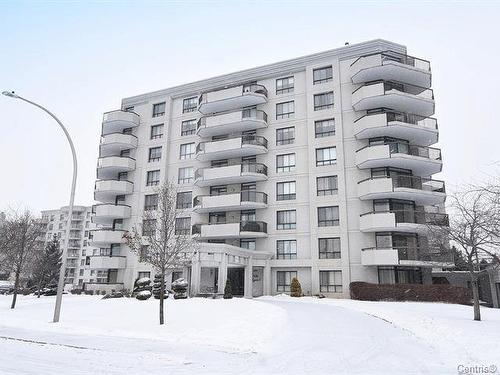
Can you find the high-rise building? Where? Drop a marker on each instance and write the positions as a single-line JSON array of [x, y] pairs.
[[317, 167]]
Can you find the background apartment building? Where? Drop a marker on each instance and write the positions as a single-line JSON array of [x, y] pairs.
[[78, 265], [317, 167]]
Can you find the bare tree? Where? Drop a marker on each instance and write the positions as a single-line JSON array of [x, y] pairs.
[[164, 238], [473, 229], [20, 240]]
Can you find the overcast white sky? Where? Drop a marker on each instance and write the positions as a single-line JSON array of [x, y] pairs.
[[80, 59]]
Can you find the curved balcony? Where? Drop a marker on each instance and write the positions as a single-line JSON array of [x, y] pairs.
[[423, 161], [106, 236], [231, 174], [391, 66], [246, 145], [423, 191], [397, 96], [416, 129], [109, 166], [406, 256], [231, 122], [117, 121], [105, 213], [245, 229], [244, 200], [409, 221], [114, 143], [107, 190], [232, 98], [108, 262]]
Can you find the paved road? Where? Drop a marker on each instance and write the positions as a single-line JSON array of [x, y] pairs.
[[319, 339]]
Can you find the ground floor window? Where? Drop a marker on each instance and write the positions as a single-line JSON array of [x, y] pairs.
[[142, 274], [284, 279], [399, 275], [330, 281], [176, 275]]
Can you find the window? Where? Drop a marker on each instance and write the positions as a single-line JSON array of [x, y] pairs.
[[218, 190], [286, 219], [284, 85], [248, 186], [328, 216], [324, 128], [188, 127], [122, 176], [176, 275], [326, 185], [153, 178], [189, 104], [285, 191], [154, 154], [330, 281], [157, 131], [285, 110], [186, 151], [143, 253], [129, 109], [285, 136], [286, 249], [399, 275], [284, 280], [186, 175], [247, 244], [184, 200], [285, 163], [326, 156], [158, 109], [149, 227], [182, 226], [140, 275], [329, 248], [150, 202], [323, 101], [322, 75]]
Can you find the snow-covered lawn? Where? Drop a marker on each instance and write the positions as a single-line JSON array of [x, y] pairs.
[[268, 335]]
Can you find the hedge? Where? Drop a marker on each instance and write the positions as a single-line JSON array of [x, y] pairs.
[[410, 292]]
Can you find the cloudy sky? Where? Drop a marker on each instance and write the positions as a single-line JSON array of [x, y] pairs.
[[80, 58]]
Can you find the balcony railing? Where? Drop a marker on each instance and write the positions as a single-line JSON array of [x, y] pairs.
[[413, 182], [415, 217], [245, 196], [405, 88], [400, 58], [245, 168], [245, 226], [423, 254], [413, 150], [246, 114], [246, 139], [407, 118], [249, 88]]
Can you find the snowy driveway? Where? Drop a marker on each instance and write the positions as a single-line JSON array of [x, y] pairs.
[[314, 337]]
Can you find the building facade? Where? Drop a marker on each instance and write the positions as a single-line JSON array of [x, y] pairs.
[[78, 262], [317, 167]]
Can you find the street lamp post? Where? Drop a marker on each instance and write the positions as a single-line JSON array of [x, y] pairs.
[[60, 284]]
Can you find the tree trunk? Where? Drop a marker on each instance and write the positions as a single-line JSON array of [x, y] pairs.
[[475, 293], [162, 297], [16, 286]]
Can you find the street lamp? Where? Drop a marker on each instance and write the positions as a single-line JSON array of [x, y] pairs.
[[60, 284]]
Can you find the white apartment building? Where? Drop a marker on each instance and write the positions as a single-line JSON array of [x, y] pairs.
[[78, 262], [317, 167]]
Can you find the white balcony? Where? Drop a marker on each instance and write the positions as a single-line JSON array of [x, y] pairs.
[[248, 229], [232, 98], [401, 221], [231, 174], [423, 191], [109, 166], [416, 129], [244, 200], [394, 95], [405, 257], [105, 213], [114, 143], [108, 262], [232, 122], [391, 66], [423, 161], [117, 121], [245, 145], [105, 237], [107, 190]]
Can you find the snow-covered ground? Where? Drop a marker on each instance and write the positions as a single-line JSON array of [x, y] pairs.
[[268, 335]]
